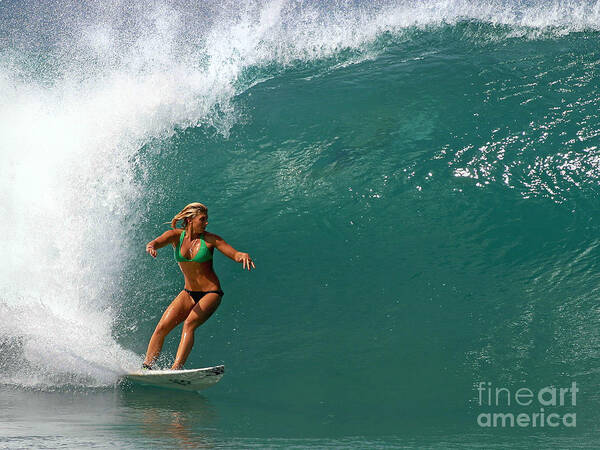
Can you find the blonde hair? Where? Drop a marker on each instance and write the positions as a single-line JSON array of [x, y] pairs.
[[189, 212]]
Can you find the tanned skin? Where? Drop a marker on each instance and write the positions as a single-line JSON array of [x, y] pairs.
[[198, 277]]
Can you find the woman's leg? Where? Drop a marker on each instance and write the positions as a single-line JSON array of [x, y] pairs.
[[198, 315], [176, 313]]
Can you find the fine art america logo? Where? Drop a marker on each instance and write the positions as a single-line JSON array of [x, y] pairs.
[[549, 406]]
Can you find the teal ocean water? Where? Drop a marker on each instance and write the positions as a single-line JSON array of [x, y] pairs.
[[417, 182]]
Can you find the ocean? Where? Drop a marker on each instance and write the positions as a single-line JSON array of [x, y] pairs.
[[416, 181]]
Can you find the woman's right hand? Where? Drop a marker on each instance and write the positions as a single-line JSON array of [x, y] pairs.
[[150, 249]]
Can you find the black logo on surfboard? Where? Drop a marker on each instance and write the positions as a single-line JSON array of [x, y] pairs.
[[180, 382]]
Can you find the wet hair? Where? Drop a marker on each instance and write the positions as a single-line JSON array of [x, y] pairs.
[[189, 212]]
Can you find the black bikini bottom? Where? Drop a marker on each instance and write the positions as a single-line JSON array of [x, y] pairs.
[[197, 295]]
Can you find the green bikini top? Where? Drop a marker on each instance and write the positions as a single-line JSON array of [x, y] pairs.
[[203, 255]]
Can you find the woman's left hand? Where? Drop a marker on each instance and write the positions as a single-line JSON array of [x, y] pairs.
[[246, 261]]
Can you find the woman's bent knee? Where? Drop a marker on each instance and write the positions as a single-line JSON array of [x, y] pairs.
[[191, 325], [161, 329]]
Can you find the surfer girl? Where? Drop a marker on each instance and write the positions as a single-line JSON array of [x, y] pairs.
[[202, 294]]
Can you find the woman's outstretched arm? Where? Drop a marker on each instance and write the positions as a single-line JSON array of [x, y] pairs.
[[232, 253], [168, 237]]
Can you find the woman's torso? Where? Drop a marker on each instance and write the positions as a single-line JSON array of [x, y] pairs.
[[195, 261]]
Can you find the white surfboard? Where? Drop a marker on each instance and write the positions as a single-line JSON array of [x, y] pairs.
[[186, 380]]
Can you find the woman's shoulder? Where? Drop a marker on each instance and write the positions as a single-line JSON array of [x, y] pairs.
[[173, 234], [211, 237]]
